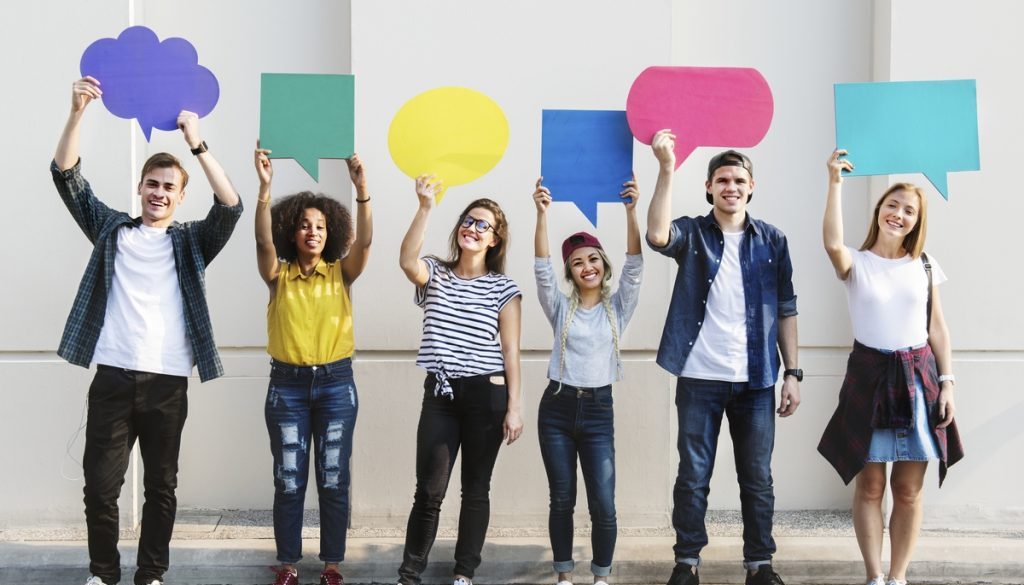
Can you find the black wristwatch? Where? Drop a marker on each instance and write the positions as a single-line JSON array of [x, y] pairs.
[[795, 372], [200, 149]]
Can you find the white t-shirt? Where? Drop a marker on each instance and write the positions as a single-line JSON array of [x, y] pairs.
[[888, 299], [144, 326], [720, 352]]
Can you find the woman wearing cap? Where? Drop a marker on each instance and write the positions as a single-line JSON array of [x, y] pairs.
[[307, 256], [575, 418], [471, 398], [896, 403]]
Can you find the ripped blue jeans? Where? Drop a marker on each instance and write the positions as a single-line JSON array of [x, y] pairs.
[[311, 407]]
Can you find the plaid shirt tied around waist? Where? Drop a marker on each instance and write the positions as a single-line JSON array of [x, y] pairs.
[[878, 392], [195, 245]]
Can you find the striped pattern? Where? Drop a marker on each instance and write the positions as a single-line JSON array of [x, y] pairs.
[[460, 323]]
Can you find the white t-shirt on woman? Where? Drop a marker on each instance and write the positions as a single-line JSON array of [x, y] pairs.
[[888, 299]]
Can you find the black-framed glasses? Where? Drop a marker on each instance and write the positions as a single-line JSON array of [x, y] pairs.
[[480, 225]]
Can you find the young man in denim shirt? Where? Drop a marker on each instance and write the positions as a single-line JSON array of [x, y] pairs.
[[732, 310], [141, 316]]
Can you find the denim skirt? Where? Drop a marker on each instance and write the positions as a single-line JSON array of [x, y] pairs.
[[914, 444]]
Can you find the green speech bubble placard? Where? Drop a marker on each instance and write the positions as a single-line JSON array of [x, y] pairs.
[[307, 117]]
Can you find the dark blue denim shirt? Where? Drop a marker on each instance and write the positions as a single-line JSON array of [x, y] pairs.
[[696, 244]]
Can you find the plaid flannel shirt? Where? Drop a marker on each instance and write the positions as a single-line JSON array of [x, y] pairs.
[[876, 394], [195, 245]]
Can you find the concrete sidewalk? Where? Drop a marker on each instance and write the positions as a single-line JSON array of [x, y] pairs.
[[813, 548]]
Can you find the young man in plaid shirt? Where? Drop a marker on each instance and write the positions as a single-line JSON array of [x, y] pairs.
[[141, 316]]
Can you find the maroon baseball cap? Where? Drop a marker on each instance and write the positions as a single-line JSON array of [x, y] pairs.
[[576, 241]]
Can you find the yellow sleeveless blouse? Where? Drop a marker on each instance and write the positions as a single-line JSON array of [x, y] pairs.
[[309, 319]]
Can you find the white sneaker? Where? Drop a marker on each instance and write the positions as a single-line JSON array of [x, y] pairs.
[[94, 580], [878, 580], [155, 582], [601, 582], [461, 581], [570, 583], [892, 581]]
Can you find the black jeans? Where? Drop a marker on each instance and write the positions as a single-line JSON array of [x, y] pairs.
[[473, 421], [125, 405]]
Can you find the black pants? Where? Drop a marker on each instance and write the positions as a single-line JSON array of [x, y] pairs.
[[473, 421], [125, 405]]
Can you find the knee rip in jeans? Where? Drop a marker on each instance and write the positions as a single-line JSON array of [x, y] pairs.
[[332, 454], [291, 445]]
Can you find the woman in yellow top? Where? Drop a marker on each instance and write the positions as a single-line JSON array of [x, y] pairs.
[[308, 258]]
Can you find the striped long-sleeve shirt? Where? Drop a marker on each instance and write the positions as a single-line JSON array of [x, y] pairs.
[[460, 323]]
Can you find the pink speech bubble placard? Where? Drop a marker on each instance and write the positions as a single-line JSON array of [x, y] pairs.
[[703, 106]]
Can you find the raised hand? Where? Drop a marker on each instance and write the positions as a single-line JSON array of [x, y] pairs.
[[664, 146], [83, 91], [427, 189], [264, 168], [188, 123], [356, 172], [630, 194], [541, 197], [837, 165]]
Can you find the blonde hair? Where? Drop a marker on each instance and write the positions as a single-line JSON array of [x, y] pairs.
[[913, 242], [574, 304]]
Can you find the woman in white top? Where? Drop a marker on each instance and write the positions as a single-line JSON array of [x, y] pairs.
[[471, 398], [900, 333], [575, 418]]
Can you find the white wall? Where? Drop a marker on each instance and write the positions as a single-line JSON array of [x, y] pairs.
[[528, 56], [974, 236]]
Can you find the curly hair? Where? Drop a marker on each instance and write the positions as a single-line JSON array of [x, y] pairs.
[[286, 214]]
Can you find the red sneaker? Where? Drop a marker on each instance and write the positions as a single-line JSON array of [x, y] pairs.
[[331, 577], [285, 577]]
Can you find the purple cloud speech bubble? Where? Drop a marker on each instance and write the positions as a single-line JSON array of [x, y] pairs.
[[150, 80]]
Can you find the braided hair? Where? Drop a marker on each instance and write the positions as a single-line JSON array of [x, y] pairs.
[[574, 304]]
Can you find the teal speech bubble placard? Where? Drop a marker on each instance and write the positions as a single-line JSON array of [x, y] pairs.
[[307, 117], [928, 127]]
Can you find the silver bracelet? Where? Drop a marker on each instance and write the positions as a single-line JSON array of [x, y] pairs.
[[947, 378]]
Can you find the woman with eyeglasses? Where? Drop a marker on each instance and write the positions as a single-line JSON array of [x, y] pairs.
[[471, 396], [575, 419]]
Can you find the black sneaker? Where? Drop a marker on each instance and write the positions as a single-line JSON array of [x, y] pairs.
[[765, 575], [684, 574]]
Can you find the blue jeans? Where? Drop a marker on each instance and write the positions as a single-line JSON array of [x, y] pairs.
[[579, 422], [311, 405], [751, 411]]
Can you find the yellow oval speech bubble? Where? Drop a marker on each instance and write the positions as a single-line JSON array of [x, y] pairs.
[[455, 133]]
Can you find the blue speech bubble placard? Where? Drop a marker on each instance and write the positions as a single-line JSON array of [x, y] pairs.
[[896, 127], [586, 156]]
